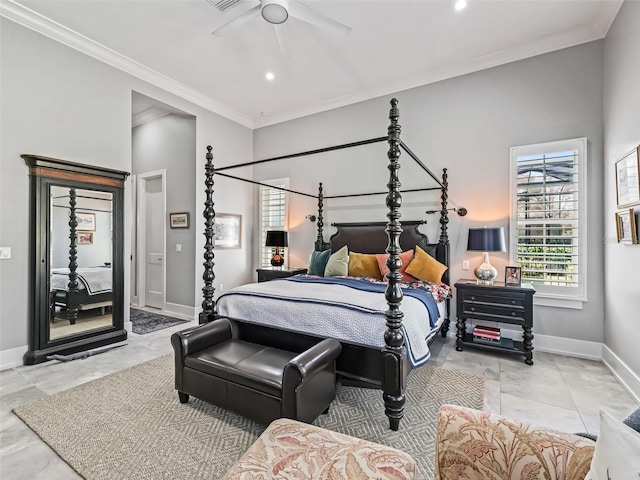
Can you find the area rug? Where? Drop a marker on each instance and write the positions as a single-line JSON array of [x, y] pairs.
[[130, 424], [147, 322]]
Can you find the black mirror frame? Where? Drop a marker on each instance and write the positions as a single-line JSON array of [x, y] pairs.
[[46, 172]]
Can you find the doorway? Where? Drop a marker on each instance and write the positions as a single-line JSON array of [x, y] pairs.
[[151, 234]]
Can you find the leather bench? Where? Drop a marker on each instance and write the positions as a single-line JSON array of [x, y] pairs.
[[257, 381]]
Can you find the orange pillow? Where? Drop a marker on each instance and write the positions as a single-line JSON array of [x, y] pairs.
[[405, 258], [363, 265], [425, 267]]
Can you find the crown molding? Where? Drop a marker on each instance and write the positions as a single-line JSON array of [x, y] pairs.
[[26, 17], [39, 23], [148, 115]]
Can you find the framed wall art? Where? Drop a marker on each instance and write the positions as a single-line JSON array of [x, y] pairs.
[[626, 227], [86, 221], [228, 230], [85, 238], [627, 179], [512, 276], [179, 220]]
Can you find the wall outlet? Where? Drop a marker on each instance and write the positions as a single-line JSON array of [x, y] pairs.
[[221, 287], [178, 247], [5, 253], [465, 264]]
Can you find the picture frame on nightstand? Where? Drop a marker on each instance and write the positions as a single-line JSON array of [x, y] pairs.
[[512, 276]]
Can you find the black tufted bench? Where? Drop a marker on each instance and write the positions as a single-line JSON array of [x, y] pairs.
[[257, 381]]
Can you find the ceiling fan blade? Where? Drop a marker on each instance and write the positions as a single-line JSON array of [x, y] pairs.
[[238, 21], [282, 34], [314, 18]]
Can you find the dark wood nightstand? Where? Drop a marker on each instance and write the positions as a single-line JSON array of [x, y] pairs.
[[270, 273], [496, 303]]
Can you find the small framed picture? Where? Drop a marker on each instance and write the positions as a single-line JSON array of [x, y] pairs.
[[628, 179], [626, 227], [512, 276], [85, 238], [86, 221], [179, 220], [228, 230]]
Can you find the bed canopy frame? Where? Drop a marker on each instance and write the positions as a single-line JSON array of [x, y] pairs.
[[393, 353]]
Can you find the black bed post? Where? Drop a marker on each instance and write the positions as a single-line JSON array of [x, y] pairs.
[[208, 304], [393, 354], [443, 243], [72, 287], [444, 219], [320, 245]]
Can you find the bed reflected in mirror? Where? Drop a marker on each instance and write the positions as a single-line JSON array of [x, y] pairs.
[[87, 305]]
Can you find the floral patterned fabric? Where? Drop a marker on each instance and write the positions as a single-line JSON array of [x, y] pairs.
[[477, 445], [288, 449]]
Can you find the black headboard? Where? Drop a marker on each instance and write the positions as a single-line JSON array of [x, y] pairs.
[[372, 238]]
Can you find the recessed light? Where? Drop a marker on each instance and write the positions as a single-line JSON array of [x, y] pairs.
[[461, 4], [270, 76]]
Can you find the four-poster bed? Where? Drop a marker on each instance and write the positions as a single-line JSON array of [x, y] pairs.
[[384, 366]]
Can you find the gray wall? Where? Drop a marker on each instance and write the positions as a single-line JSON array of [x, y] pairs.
[[467, 125], [60, 103], [169, 143], [622, 133]]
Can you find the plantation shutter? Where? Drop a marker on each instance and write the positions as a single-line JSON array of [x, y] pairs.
[[548, 221], [273, 214]]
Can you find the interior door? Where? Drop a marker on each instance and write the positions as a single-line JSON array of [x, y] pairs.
[[154, 243]]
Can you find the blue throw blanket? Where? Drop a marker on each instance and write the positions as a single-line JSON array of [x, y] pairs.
[[423, 296]]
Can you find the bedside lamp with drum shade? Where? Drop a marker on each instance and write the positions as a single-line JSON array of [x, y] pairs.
[[278, 239], [486, 240]]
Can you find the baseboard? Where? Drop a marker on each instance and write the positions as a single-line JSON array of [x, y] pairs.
[[558, 345], [180, 309], [568, 346], [627, 378], [12, 357]]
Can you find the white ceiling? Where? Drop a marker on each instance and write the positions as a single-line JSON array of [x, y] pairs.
[[393, 45]]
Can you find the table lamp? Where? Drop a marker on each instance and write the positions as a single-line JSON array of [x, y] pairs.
[[278, 239], [486, 240]]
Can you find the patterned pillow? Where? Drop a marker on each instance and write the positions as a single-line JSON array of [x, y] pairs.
[[425, 267], [363, 265], [338, 264], [633, 420], [405, 258], [318, 263]]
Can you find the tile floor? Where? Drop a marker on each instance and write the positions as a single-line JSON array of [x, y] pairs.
[[561, 392]]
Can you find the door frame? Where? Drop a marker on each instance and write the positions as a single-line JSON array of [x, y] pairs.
[[141, 232]]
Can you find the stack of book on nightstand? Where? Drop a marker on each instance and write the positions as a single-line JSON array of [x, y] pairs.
[[486, 335]]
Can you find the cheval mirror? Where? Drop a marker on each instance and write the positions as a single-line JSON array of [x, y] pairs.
[[77, 265]]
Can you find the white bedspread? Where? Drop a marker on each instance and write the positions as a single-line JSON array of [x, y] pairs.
[[94, 279], [333, 311]]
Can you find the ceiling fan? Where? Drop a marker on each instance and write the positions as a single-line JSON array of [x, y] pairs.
[[277, 12]]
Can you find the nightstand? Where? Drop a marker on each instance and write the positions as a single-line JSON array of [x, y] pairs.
[[496, 303], [270, 273]]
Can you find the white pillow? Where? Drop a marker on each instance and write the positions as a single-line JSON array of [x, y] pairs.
[[338, 264], [617, 454]]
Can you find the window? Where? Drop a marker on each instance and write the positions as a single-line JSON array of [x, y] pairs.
[[274, 210], [548, 205]]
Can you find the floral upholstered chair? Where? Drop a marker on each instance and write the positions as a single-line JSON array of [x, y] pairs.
[[477, 445]]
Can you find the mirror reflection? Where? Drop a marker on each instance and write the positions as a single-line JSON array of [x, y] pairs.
[[80, 259]]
